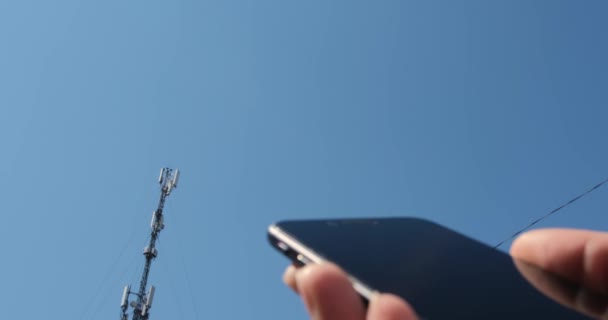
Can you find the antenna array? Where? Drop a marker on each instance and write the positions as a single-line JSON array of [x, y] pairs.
[[143, 301]]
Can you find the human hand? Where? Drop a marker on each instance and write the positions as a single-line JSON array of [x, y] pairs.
[[329, 295], [578, 255]]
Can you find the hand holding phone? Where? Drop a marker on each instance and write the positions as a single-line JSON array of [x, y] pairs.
[[579, 256], [442, 274], [328, 294]]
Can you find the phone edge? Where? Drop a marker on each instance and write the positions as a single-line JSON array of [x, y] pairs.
[[301, 255]]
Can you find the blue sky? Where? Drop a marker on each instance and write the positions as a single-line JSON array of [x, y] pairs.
[[478, 115]]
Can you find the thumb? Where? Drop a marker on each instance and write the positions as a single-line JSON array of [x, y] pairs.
[[328, 293], [576, 255]]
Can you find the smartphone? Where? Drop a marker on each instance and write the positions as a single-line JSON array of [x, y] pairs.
[[443, 274]]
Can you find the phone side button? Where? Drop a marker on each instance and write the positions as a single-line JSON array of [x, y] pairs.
[[282, 246], [303, 259]]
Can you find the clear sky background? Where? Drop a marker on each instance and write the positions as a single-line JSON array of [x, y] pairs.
[[480, 115]]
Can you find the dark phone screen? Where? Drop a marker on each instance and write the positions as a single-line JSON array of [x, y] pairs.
[[441, 273]]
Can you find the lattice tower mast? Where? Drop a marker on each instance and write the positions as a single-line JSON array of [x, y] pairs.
[[143, 301]]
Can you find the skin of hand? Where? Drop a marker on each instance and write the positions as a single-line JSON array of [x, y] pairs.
[[580, 256], [577, 255], [328, 294]]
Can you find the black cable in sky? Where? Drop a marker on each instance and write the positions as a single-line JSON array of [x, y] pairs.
[[550, 213]]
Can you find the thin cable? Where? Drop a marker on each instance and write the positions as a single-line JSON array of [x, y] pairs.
[[189, 288], [131, 266], [105, 279], [551, 213], [180, 246], [104, 302], [165, 266]]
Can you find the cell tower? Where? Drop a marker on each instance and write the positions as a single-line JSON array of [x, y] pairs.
[[143, 301]]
